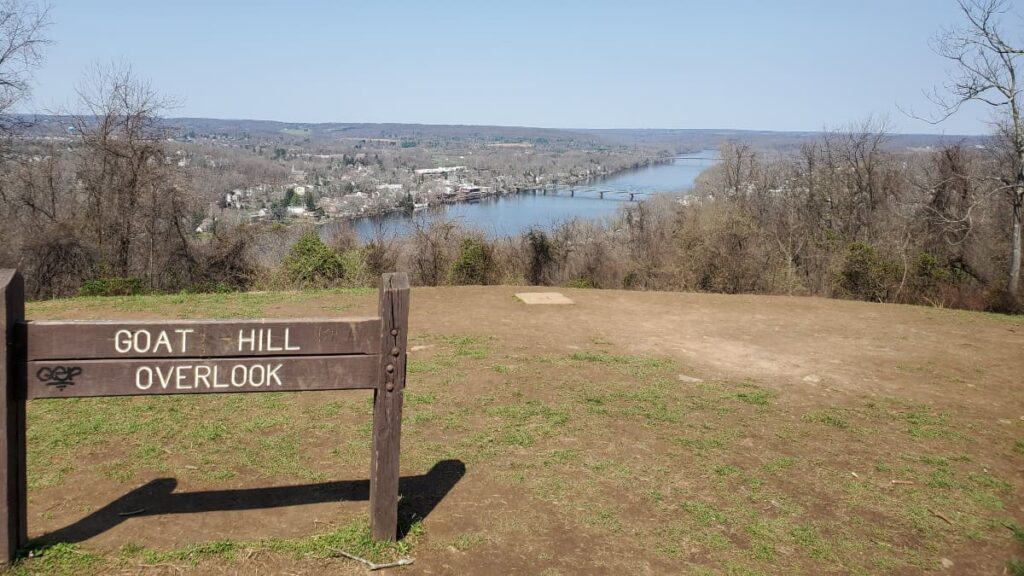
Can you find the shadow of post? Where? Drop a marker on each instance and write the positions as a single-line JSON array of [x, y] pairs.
[[419, 496]]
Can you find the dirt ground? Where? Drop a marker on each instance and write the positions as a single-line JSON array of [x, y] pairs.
[[805, 348], [631, 432]]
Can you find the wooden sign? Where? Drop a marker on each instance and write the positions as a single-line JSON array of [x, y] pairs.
[[110, 358]]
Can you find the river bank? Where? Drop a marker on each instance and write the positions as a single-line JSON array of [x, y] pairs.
[[460, 192], [510, 213]]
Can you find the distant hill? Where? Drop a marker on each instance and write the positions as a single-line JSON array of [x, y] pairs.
[[675, 139]]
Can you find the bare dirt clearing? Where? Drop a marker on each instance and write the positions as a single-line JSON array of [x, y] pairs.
[[631, 432]]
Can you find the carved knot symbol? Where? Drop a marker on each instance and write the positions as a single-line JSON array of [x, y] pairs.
[[59, 376]]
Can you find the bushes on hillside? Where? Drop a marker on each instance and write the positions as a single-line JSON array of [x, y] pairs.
[[722, 249], [541, 255], [432, 251], [224, 263], [475, 263], [113, 286], [866, 275], [313, 263], [57, 264]]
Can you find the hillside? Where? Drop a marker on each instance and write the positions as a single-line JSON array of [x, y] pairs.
[[632, 432], [679, 140]]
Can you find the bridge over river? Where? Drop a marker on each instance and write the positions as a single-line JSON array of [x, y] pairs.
[[512, 214]]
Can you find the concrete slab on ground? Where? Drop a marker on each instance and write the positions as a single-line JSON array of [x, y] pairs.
[[543, 298]]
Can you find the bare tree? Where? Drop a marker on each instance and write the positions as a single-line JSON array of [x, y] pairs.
[[22, 28], [136, 203], [986, 71]]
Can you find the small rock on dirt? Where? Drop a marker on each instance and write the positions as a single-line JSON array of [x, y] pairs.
[[947, 563], [812, 378], [688, 379]]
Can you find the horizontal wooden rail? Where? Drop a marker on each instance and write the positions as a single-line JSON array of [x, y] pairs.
[[54, 340], [84, 378]]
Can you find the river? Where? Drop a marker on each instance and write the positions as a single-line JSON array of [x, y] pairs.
[[511, 214]]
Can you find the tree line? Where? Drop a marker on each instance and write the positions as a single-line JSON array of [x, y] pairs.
[[846, 217]]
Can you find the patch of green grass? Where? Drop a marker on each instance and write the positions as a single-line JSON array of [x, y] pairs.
[[353, 538], [704, 513], [1016, 530], [277, 455], [726, 470], [830, 417], [757, 397], [604, 518], [46, 476], [808, 537], [469, 540], [417, 398], [604, 358], [763, 551], [941, 478], [654, 495], [986, 480], [219, 435], [516, 437], [595, 403], [777, 464], [556, 457], [209, 431], [522, 412], [191, 554], [621, 359], [1018, 447], [475, 347], [418, 418], [58, 560], [455, 419], [705, 442], [608, 468], [431, 366], [652, 402], [926, 424]]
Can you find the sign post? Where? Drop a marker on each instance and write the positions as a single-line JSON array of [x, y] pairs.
[[387, 407], [13, 478], [51, 359]]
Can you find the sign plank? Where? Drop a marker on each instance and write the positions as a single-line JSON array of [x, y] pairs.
[[138, 377], [201, 339]]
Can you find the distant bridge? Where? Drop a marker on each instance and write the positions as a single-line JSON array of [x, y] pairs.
[[590, 192]]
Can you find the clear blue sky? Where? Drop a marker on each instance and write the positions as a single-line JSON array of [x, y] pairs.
[[749, 64]]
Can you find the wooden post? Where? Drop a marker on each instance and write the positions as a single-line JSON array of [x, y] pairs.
[[387, 406], [13, 502]]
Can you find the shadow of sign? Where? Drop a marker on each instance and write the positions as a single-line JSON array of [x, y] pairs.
[[420, 495]]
